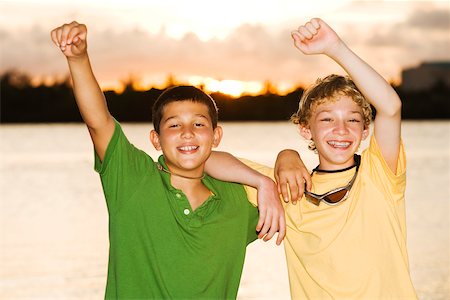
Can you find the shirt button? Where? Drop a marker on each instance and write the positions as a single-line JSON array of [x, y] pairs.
[[178, 195], [186, 211]]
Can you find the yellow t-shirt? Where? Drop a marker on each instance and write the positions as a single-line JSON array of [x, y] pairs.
[[357, 249]]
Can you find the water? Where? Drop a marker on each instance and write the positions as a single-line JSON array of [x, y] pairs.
[[53, 219]]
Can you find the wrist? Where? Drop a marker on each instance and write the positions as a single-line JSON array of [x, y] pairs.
[[78, 59], [287, 152], [338, 51], [263, 181]]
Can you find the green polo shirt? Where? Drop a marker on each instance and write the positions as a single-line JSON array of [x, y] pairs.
[[159, 247]]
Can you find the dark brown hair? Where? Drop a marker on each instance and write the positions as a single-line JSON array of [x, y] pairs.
[[183, 93]]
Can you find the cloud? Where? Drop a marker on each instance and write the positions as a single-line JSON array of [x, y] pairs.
[[424, 35], [251, 52], [27, 50], [432, 19]]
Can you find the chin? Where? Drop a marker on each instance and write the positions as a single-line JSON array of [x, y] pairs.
[[191, 166], [338, 158]]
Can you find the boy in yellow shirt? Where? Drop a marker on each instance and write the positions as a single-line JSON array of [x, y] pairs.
[[346, 238]]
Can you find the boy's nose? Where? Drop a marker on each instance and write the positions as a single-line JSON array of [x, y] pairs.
[[341, 128], [187, 133]]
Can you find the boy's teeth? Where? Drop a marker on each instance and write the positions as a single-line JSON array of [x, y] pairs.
[[188, 148], [339, 144]]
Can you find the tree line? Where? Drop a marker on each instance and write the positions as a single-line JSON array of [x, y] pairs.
[[22, 102]]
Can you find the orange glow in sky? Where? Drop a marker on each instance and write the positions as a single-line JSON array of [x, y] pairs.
[[233, 88], [233, 47]]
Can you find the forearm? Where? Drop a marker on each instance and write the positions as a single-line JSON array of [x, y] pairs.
[[371, 84], [226, 167], [88, 94]]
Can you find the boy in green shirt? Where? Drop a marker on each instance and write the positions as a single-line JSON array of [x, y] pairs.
[[174, 231]]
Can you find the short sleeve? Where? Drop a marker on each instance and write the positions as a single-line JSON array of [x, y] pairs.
[[122, 169], [381, 174], [100, 166]]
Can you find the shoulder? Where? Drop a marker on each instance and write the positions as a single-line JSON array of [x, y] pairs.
[[121, 151], [263, 169]]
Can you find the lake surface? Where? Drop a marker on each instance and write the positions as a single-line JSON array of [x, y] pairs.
[[53, 218]]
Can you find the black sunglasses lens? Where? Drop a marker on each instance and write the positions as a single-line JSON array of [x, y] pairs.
[[313, 200], [336, 196]]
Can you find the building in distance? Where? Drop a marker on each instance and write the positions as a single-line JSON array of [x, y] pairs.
[[426, 76]]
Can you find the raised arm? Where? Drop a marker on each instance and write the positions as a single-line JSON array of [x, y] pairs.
[[316, 37], [226, 167], [71, 39]]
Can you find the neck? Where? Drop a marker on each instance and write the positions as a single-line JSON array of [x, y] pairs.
[[198, 178], [355, 163]]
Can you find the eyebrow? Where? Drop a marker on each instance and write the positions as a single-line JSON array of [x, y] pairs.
[[330, 110], [356, 112], [175, 117]]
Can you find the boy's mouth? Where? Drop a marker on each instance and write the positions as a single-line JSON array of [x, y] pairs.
[[339, 144], [187, 148]]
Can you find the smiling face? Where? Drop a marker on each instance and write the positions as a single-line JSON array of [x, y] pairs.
[[337, 129], [186, 137]]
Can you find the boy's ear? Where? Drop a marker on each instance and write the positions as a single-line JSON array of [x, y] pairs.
[[154, 139], [365, 132], [305, 132], [218, 132]]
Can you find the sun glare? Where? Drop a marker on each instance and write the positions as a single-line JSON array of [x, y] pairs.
[[233, 88]]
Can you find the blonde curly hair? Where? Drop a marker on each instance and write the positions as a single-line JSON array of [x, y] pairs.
[[328, 89]]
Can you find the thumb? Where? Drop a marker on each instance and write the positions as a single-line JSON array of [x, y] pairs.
[[78, 45], [307, 179], [76, 41]]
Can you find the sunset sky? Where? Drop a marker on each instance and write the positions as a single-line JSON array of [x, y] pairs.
[[231, 46]]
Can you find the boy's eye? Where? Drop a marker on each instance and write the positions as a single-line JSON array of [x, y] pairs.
[[326, 120], [199, 124], [354, 120], [173, 126]]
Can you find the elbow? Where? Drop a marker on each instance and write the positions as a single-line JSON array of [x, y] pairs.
[[394, 109], [399, 107], [98, 123]]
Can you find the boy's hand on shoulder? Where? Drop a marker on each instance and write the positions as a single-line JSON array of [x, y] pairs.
[[70, 39], [291, 175], [271, 212], [316, 37]]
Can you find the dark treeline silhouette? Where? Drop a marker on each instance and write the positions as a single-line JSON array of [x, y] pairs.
[[21, 102]]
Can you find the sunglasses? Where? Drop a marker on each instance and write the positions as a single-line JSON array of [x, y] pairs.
[[337, 195]]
